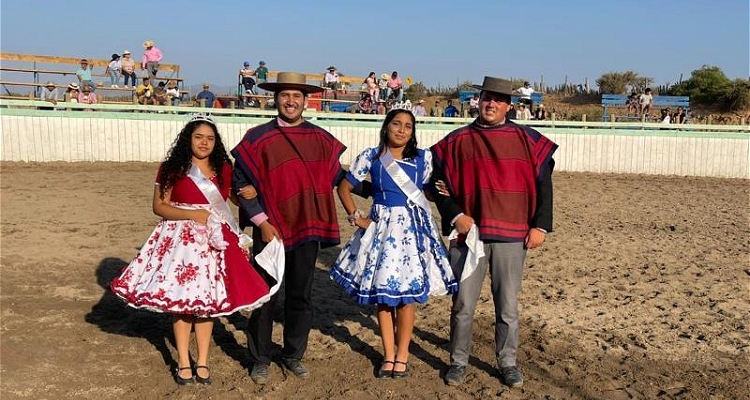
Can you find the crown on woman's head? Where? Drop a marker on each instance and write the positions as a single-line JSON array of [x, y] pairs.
[[202, 117]]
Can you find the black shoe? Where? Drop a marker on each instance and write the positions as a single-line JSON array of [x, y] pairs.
[[511, 376], [259, 374], [455, 375], [202, 381], [400, 374], [385, 373], [183, 381], [298, 369]]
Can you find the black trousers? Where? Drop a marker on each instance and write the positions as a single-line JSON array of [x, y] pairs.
[[298, 306]]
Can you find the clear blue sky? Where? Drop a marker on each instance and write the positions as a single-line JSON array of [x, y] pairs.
[[436, 42]]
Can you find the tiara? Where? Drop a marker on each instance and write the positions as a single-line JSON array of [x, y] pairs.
[[202, 117]]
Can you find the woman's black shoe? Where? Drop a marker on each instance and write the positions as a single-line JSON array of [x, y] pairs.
[[401, 374], [203, 381], [183, 381], [385, 373]]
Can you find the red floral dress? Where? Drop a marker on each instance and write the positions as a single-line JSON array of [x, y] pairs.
[[178, 271]]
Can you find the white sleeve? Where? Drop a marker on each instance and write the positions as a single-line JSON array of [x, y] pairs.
[[427, 166], [360, 168]]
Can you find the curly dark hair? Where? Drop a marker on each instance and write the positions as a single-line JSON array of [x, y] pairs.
[[178, 160], [410, 150]]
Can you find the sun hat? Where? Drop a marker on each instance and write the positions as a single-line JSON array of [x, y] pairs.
[[384, 75], [206, 85], [148, 43], [126, 52], [420, 101], [246, 63], [73, 86], [86, 88], [49, 83], [172, 84], [115, 56], [331, 68], [496, 85], [292, 81]]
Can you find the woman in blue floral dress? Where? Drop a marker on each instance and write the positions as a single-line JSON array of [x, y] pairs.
[[396, 258]]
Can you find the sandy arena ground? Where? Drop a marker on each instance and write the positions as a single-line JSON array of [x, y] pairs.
[[640, 293]]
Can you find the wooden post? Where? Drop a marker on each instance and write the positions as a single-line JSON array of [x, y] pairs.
[[202, 103], [232, 104], [31, 94], [708, 120], [554, 118]]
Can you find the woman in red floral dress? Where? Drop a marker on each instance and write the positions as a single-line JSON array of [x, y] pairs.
[[195, 264]]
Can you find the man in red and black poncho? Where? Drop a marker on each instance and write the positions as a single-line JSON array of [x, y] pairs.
[[294, 166], [499, 176]]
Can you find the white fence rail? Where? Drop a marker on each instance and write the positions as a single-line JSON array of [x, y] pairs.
[[28, 134]]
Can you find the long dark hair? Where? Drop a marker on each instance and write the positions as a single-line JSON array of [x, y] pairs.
[[410, 150], [179, 158]]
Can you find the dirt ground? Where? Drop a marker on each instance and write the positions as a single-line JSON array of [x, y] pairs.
[[640, 293]]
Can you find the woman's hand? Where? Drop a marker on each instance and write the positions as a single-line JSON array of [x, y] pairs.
[[201, 216], [247, 192], [363, 223], [442, 188]]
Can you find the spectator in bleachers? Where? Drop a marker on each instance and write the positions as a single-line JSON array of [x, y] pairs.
[[151, 58], [173, 93], [160, 94], [246, 78], [541, 113], [331, 81], [87, 96], [113, 70], [206, 95], [523, 113], [381, 110], [84, 74], [395, 87], [633, 102], [525, 94], [474, 106], [127, 65], [383, 86], [145, 92], [71, 94], [645, 102], [371, 85], [666, 117], [419, 110], [49, 94], [261, 72], [450, 110], [436, 111], [679, 117], [512, 112], [365, 105]]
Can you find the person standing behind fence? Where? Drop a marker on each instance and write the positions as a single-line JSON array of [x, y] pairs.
[[87, 96], [207, 96], [113, 70], [84, 74], [127, 65], [419, 110], [151, 58], [645, 102], [173, 93], [526, 91], [499, 202], [450, 110]]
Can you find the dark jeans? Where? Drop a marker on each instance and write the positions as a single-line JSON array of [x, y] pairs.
[[298, 306], [129, 75]]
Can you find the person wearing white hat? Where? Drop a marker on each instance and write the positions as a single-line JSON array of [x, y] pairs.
[[294, 166], [49, 93], [151, 58], [331, 81], [127, 65]]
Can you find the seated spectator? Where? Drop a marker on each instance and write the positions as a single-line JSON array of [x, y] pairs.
[[419, 110], [512, 112], [541, 113], [246, 77], [49, 94], [436, 111], [127, 65], [383, 86], [525, 94], [450, 111], [371, 85], [207, 96], [395, 87], [474, 106], [523, 113], [160, 95], [365, 105], [84, 74], [381, 110], [633, 102], [71, 94], [331, 81], [113, 70], [679, 116], [173, 93], [87, 96], [666, 118], [145, 92]]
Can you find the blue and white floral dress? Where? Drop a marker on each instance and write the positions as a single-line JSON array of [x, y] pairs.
[[400, 259]]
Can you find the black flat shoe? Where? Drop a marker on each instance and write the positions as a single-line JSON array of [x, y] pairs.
[[401, 374], [202, 381], [183, 381], [385, 373]]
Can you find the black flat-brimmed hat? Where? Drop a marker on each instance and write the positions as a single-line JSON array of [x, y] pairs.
[[290, 81], [496, 85]]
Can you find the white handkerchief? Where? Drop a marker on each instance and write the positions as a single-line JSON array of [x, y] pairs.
[[272, 260], [476, 250]]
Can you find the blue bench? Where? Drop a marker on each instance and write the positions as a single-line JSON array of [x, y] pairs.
[[465, 95], [621, 101]]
